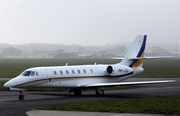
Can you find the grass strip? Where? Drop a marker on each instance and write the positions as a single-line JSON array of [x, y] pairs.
[[154, 105], [11, 68], [2, 85]]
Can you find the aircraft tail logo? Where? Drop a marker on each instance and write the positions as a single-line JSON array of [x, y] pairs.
[[135, 54]]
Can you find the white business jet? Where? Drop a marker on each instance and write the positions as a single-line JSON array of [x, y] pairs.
[[94, 76]]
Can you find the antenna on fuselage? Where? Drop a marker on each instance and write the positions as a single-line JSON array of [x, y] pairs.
[[66, 64]]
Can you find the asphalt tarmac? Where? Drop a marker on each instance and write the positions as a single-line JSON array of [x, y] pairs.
[[10, 105]]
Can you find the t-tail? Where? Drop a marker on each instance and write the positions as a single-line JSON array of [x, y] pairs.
[[135, 55]]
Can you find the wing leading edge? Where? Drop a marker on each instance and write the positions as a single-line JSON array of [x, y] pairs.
[[125, 83]]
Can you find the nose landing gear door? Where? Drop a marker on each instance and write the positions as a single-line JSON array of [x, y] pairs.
[[49, 77]]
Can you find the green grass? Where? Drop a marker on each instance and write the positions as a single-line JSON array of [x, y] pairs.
[[161, 68], [1, 85], [154, 105], [10, 68]]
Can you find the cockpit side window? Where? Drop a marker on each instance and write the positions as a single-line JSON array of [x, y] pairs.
[[37, 74], [26, 73], [33, 73]]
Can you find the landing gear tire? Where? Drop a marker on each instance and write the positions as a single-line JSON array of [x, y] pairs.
[[99, 92], [77, 92], [21, 97]]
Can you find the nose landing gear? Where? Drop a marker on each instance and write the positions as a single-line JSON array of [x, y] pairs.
[[21, 97]]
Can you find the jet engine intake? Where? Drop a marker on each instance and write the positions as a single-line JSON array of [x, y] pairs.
[[110, 70], [118, 70]]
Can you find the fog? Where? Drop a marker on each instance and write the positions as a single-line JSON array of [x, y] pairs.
[[37, 50], [88, 22]]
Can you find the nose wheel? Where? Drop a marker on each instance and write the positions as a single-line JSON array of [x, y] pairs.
[[21, 97]]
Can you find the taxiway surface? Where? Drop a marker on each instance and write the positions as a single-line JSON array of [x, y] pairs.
[[10, 105]]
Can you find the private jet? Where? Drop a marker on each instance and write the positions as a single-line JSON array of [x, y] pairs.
[[76, 78]]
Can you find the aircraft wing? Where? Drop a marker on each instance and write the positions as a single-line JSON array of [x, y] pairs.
[[125, 83]]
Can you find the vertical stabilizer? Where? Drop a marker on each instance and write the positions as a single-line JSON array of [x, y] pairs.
[[135, 51]]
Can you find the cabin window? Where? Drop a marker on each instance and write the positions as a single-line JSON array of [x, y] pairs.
[[73, 72], [55, 73], [61, 72], [33, 73], [26, 73], [78, 71], [84, 70], [91, 70], [37, 74], [67, 72]]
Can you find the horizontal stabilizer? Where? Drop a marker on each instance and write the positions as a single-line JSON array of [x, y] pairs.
[[125, 83], [121, 58], [159, 57]]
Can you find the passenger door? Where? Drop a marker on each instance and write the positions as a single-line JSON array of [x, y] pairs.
[[49, 77]]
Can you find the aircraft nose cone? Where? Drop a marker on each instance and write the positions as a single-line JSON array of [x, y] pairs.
[[7, 85], [10, 83]]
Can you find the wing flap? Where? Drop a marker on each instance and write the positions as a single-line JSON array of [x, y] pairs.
[[125, 83]]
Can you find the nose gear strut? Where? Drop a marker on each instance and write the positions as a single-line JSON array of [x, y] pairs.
[[21, 97]]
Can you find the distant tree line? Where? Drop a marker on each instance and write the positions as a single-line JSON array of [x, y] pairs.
[[10, 51], [111, 50]]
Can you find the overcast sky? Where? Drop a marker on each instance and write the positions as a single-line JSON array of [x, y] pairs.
[[88, 22]]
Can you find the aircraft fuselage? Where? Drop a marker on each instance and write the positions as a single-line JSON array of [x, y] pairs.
[[70, 76]]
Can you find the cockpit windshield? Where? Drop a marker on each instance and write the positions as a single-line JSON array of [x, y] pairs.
[[26, 73], [30, 73]]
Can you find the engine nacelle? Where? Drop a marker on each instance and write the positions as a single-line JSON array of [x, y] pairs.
[[118, 70]]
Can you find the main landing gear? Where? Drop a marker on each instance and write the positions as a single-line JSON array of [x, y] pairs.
[[76, 91], [99, 92], [21, 97]]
